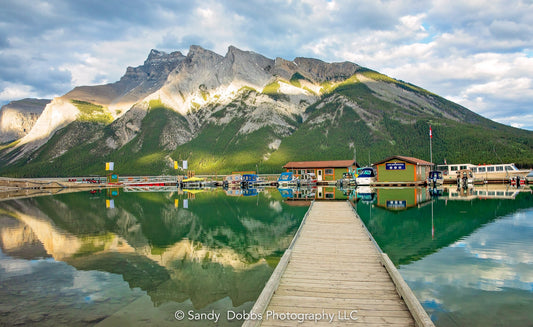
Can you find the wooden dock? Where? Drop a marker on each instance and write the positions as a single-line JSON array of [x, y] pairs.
[[334, 274]]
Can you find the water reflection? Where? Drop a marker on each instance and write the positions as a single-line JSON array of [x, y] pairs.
[[131, 257], [465, 253]]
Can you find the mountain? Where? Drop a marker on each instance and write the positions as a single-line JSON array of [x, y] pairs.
[[243, 111], [18, 117]]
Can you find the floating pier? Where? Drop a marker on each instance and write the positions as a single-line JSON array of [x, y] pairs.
[[334, 274]]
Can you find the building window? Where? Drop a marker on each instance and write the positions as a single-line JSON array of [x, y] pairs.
[[453, 168], [481, 169], [490, 169], [474, 169], [499, 168], [328, 171]]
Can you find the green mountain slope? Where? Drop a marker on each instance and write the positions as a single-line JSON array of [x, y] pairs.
[[368, 114]]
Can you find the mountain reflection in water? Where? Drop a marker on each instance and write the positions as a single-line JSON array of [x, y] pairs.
[[134, 258], [216, 253]]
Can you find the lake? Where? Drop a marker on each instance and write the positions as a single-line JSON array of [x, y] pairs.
[[136, 258], [467, 255]]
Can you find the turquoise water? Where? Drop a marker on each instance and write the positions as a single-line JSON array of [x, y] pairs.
[[468, 258]]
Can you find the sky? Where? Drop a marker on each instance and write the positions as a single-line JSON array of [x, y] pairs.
[[474, 52]]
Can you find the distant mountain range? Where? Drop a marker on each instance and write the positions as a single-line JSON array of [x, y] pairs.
[[243, 111]]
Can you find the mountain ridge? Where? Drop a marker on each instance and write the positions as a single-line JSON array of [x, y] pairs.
[[244, 111]]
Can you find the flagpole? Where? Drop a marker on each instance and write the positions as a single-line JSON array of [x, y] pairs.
[[430, 147]]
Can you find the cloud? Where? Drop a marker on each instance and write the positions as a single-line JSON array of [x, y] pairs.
[[470, 51]]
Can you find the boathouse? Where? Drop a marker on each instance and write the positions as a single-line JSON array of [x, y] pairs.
[[330, 170], [402, 169], [401, 198]]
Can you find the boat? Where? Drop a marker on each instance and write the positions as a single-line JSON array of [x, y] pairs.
[[286, 192], [435, 178], [249, 180], [308, 179], [464, 178], [529, 177], [484, 192], [366, 194], [501, 172], [365, 176], [232, 180], [192, 182], [233, 191], [348, 179], [484, 173], [250, 192], [288, 179]]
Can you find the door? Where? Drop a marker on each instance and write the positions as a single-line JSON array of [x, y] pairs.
[[319, 175]]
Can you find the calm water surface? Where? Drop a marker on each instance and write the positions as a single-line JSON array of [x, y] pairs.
[[467, 256], [126, 258]]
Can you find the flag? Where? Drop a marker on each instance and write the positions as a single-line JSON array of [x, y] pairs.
[[109, 165], [430, 134], [445, 161], [175, 165]]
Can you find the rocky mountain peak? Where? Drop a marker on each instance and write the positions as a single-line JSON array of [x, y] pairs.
[[196, 51], [158, 57], [18, 117], [320, 71]]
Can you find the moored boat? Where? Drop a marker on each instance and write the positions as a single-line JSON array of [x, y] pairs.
[[435, 178], [308, 179], [250, 180], [365, 176], [484, 173], [192, 182], [287, 179], [232, 180], [348, 179], [464, 178]]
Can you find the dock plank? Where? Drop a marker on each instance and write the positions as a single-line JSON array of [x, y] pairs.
[[334, 267]]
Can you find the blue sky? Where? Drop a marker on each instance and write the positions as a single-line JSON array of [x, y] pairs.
[[476, 53]]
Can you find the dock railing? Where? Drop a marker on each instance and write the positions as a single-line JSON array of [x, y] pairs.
[[417, 311], [272, 284]]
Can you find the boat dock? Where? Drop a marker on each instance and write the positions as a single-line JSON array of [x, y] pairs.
[[334, 274]]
